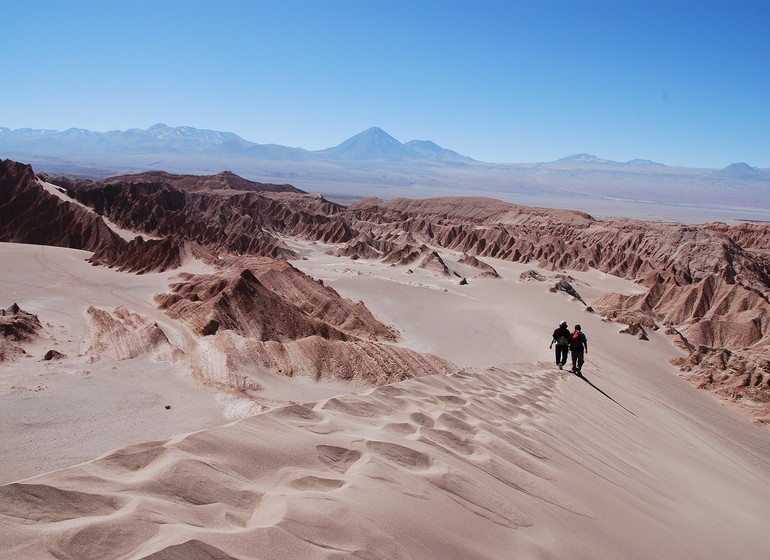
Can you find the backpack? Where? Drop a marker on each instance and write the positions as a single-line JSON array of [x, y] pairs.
[[574, 341], [562, 341]]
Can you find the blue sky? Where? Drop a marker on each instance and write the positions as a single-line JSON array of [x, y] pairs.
[[679, 82]]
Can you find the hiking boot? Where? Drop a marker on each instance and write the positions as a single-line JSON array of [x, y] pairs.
[[560, 366]]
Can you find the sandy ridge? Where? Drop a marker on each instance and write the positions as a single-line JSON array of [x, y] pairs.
[[507, 452]]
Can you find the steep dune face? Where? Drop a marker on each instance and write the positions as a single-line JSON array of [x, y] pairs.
[[316, 358]]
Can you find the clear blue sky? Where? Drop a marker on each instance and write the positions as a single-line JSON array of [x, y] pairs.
[[679, 82]]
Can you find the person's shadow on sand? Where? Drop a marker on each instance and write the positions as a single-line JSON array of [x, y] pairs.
[[581, 376]]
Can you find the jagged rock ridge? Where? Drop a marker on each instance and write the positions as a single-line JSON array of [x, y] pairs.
[[272, 316], [30, 214]]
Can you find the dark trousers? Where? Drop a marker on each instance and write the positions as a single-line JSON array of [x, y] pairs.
[[561, 353], [577, 360]]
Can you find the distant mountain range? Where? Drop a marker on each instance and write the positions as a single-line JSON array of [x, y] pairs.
[[371, 144], [588, 158], [374, 163]]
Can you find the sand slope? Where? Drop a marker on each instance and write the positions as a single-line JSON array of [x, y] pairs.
[[508, 457], [516, 461]]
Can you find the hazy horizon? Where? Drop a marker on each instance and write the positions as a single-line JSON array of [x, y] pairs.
[[679, 83], [577, 157]]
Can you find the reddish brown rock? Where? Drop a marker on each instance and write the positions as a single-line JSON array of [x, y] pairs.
[[270, 300], [30, 214], [16, 326]]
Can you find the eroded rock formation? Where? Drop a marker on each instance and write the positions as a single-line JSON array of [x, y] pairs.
[[16, 326], [123, 335], [30, 214], [272, 316], [708, 285]]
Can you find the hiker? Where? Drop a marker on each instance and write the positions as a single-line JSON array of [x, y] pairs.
[[561, 338], [577, 344]]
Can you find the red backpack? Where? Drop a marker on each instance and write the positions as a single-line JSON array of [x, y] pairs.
[[574, 341]]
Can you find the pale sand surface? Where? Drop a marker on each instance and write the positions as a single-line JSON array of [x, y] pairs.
[[485, 323], [509, 458], [59, 413]]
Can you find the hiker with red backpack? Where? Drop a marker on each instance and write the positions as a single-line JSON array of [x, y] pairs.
[[561, 338], [578, 345]]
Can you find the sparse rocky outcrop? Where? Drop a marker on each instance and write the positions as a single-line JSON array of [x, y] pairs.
[[486, 270], [531, 276], [637, 330], [53, 355], [563, 285], [434, 262], [16, 326], [123, 335]]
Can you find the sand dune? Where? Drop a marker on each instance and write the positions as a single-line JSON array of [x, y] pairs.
[[517, 461]]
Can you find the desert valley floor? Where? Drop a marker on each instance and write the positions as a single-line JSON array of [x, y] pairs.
[[157, 432], [508, 456]]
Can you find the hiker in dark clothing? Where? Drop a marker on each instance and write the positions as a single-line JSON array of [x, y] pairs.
[[578, 343], [561, 338]]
